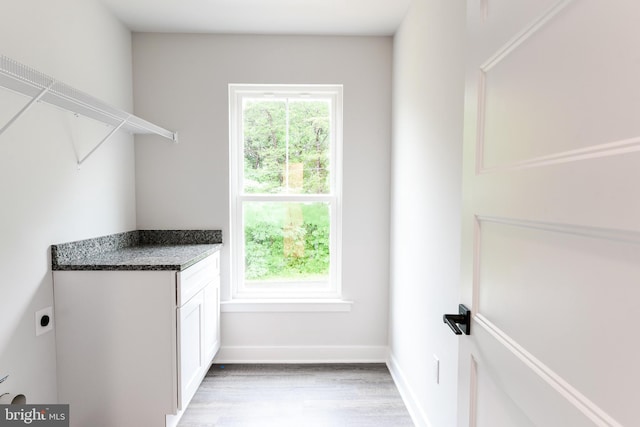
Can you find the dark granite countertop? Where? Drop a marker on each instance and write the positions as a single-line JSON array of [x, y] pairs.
[[137, 250]]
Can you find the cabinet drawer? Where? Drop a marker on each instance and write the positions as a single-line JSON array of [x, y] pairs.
[[196, 277]]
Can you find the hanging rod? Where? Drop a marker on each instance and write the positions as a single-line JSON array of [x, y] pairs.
[[40, 87]]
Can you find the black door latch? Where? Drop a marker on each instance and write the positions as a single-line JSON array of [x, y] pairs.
[[459, 323]]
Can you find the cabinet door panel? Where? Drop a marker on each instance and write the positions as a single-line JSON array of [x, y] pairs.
[[212, 319], [190, 343]]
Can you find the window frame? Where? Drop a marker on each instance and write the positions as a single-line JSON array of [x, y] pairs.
[[284, 291]]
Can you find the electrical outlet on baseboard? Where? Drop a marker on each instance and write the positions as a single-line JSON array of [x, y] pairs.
[[436, 369]]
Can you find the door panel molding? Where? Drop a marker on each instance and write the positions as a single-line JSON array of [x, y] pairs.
[[555, 380], [576, 142], [496, 58], [524, 35], [566, 390], [596, 151], [611, 234]]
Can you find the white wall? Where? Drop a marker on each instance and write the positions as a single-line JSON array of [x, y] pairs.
[[182, 82], [428, 88], [44, 199]]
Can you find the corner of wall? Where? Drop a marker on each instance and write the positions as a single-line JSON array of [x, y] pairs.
[[47, 199], [409, 397], [428, 97]]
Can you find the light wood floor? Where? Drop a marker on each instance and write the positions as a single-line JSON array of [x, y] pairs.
[[349, 395]]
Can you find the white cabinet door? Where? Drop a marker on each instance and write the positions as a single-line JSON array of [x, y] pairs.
[[552, 215], [212, 319], [191, 341]]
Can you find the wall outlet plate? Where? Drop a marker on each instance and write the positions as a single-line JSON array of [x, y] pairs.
[[44, 320]]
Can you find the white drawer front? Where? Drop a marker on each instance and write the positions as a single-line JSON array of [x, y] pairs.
[[196, 277]]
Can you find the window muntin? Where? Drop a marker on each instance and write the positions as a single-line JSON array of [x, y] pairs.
[[285, 175]]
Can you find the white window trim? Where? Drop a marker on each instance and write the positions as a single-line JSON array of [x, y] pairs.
[[286, 306], [325, 299]]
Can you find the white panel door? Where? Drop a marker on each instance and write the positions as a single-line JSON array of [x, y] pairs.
[[551, 223]]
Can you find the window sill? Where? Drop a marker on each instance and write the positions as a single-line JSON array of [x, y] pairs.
[[286, 306]]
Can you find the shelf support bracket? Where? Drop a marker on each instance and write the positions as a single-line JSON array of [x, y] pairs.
[[37, 98], [105, 139]]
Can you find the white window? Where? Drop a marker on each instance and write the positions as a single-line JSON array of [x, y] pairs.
[[285, 189]]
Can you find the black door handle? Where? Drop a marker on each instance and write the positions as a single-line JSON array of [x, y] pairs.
[[463, 318]]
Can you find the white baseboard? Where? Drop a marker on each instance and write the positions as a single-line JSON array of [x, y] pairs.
[[302, 354], [412, 403]]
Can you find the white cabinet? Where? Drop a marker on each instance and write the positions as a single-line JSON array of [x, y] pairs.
[[198, 325], [133, 346]]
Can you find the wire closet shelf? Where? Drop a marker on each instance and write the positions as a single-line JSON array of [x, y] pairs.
[[38, 86]]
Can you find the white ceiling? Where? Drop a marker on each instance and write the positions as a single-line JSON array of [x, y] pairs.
[[339, 17]]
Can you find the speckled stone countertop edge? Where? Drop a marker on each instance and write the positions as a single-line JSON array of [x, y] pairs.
[[95, 264], [137, 250]]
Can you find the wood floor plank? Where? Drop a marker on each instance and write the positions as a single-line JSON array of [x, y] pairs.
[[304, 395]]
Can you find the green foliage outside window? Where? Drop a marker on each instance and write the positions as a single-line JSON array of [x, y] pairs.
[[280, 249], [268, 158], [286, 241]]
